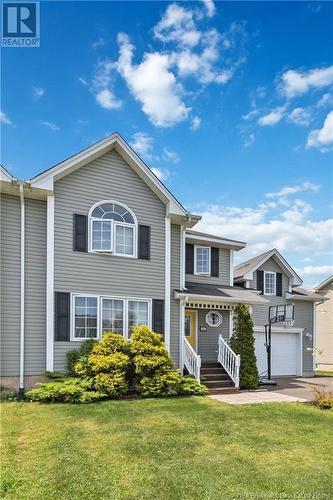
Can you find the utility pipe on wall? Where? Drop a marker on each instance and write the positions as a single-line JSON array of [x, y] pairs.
[[21, 382]]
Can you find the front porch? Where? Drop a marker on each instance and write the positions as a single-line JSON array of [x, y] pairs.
[[206, 328]]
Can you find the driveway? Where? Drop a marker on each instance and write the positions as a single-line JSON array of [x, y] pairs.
[[288, 389]]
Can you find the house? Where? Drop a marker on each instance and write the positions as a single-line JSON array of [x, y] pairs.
[[324, 322], [98, 243], [292, 345]]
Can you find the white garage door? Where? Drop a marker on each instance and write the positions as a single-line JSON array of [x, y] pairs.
[[285, 353]]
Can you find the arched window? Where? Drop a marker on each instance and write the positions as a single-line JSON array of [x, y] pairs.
[[112, 229]]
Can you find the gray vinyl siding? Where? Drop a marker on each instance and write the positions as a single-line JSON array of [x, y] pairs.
[[60, 350], [303, 312], [208, 341], [35, 286], [10, 285], [224, 271], [175, 282], [107, 178]]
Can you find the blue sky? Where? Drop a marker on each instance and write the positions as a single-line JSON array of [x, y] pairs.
[[230, 103]]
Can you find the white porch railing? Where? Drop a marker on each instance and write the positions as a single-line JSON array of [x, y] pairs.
[[229, 360], [192, 360]]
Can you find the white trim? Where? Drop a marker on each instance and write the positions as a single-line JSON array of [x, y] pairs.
[[236, 245], [231, 270], [45, 180], [50, 284], [272, 294], [231, 323], [209, 323], [22, 289], [167, 299], [314, 336], [249, 274], [323, 283], [181, 334], [100, 299], [182, 258], [257, 299], [197, 247], [196, 329]]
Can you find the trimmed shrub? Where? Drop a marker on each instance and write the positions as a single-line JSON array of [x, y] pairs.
[[72, 357], [190, 387], [323, 399], [115, 385], [71, 390], [242, 343]]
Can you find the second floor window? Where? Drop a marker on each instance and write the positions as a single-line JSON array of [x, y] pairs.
[[201, 260], [113, 229], [269, 283]]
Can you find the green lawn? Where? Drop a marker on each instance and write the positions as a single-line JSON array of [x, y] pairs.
[[192, 448]]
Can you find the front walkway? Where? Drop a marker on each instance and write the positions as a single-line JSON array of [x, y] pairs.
[[289, 389]]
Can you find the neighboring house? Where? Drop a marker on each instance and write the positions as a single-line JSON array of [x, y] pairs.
[[324, 321], [98, 243], [292, 346]]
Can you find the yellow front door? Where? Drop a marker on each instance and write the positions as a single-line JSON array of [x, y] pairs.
[[191, 327]]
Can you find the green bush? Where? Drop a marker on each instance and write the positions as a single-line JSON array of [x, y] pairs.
[[190, 387], [72, 357], [114, 385], [71, 390], [242, 343]]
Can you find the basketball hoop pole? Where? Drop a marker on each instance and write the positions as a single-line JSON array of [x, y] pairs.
[[268, 345]]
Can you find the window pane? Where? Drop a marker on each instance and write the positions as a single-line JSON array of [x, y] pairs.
[[202, 260], [113, 316], [101, 235], [112, 211], [137, 314], [124, 240], [85, 320], [269, 283]]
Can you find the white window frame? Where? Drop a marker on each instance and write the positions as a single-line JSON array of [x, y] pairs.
[[112, 250], [274, 292], [196, 247], [72, 319], [217, 324], [100, 313]]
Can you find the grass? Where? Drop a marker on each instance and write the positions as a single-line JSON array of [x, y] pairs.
[[186, 448], [321, 373]]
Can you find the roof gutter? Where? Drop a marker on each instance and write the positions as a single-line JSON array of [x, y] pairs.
[[22, 287]]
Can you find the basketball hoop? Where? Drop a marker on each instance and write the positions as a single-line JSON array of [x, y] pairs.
[[283, 313]]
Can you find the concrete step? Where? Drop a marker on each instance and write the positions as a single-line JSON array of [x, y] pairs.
[[211, 384], [214, 376], [212, 371], [211, 365], [223, 390]]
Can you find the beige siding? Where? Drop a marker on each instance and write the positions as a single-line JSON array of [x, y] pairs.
[[208, 341], [224, 271], [35, 286], [107, 178], [175, 282], [325, 330], [10, 285]]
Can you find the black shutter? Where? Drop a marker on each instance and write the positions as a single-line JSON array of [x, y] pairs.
[[214, 262], [189, 261], [62, 315], [80, 233], [144, 242], [260, 281], [279, 284], [158, 316]]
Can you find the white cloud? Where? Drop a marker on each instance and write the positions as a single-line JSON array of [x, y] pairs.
[[196, 122], [263, 228], [322, 138], [210, 7], [142, 144], [52, 126], [171, 156], [152, 84], [251, 114], [4, 118], [273, 117], [249, 140], [83, 81], [325, 100], [314, 270], [300, 116], [295, 83], [289, 190], [107, 100], [38, 92], [98, 43], [178, 25], [162, 173]]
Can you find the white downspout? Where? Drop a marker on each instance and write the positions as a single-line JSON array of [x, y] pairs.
[[21, 382]]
